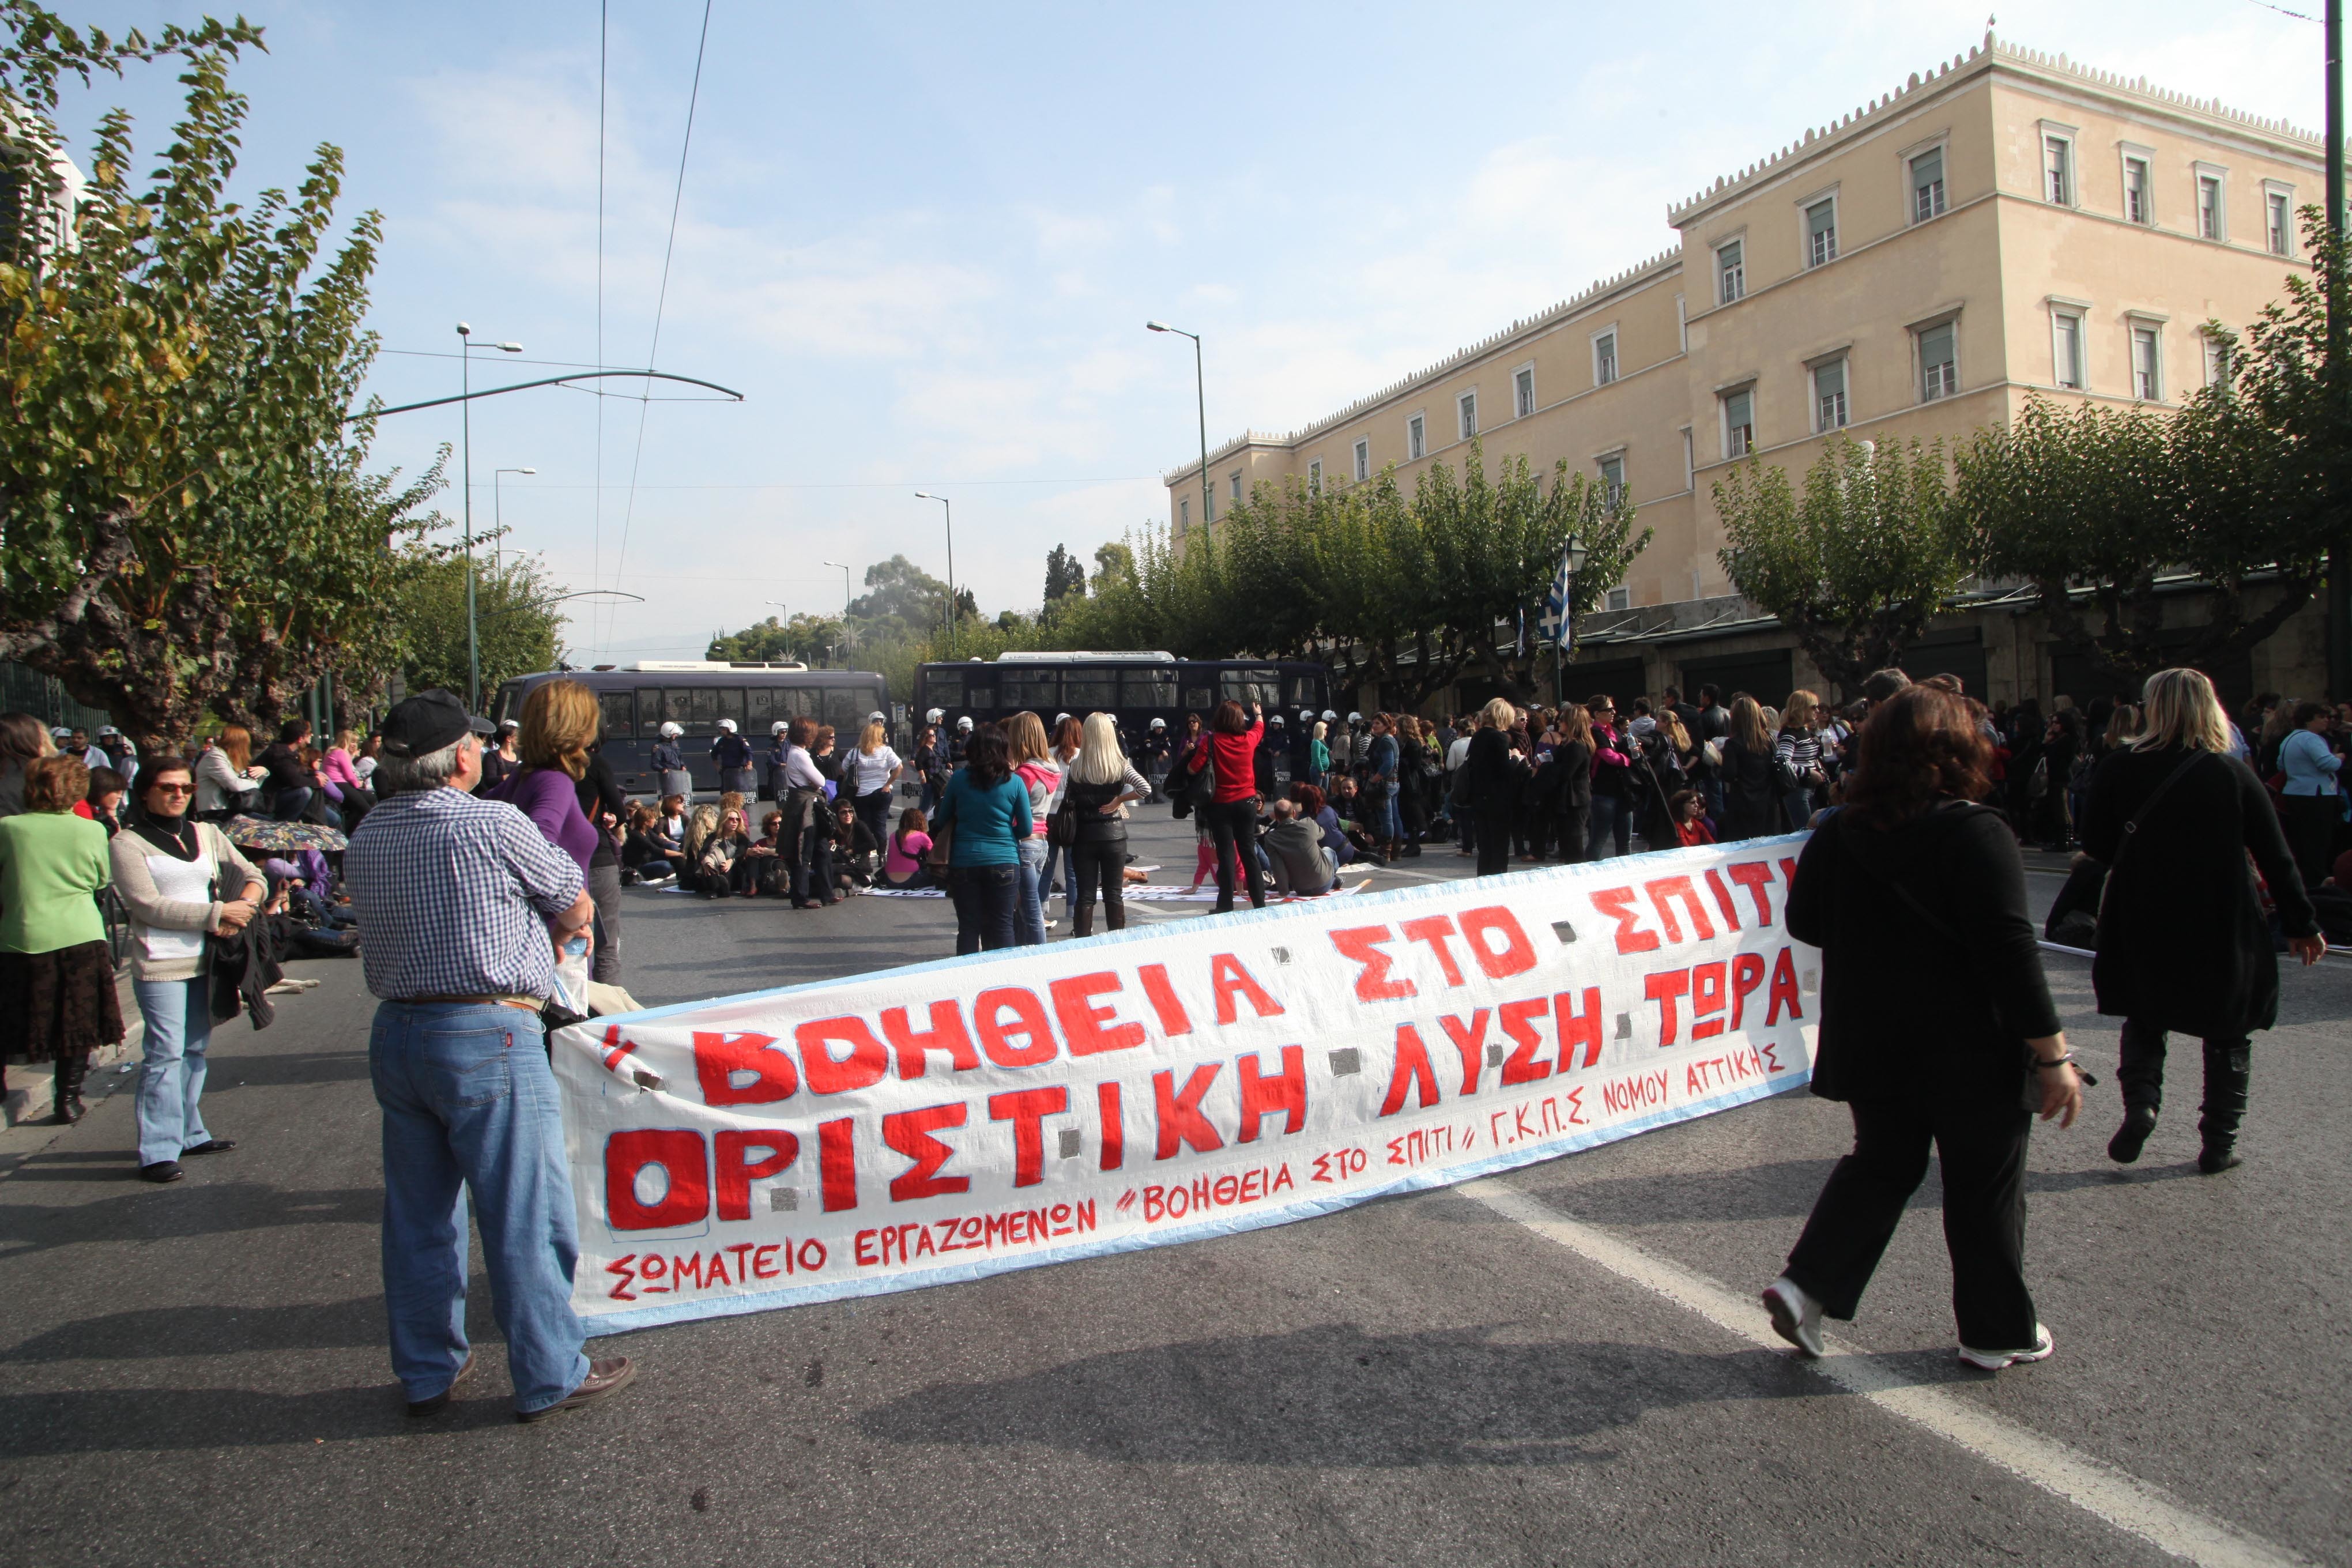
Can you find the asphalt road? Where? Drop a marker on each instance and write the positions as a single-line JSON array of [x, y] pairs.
[[1559, 1365]]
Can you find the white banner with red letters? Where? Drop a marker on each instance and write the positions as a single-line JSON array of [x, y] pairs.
[[1168, 1082]]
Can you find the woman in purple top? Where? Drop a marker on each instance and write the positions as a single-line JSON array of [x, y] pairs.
[[559, 725]]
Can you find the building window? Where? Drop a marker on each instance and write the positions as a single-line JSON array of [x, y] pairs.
[[2217, 362], [1939, 370], [1363, 461], [1612, 478], [1183, 515], [1523, 391], [1690, 461], [1730, 271], [2137, 206], [1234, 480], [1604, 359], [1829, 396], [1821, 232], [1928, 185], [1416, 439], [1466, 406], [2148, 382], [2058, 169], [2211, 220], [2281, 228], [1682, 324], [1621, 598], [2066, 350], [1314, 476], [1739, 423]]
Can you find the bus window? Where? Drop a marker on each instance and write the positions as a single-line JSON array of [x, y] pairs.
[[703, 702], [846, 711], [1303, 692], [980, 699], [1249, 686], [1199, 698], [617, 711], [510, 704], [677, 708], [944, 689], [1086, 691], [761, 709], [1146, 689], [649, 711], [1031, 689], [731, 704]]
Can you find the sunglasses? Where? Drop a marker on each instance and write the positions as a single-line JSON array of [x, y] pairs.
[[174, 789]]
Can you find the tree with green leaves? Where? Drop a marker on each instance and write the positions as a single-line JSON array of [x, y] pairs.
[[811, 640], [1858, 566], [1064, 576], [425, 629], [186, 520]]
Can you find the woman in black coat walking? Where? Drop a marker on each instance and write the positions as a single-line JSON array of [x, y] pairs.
[[1936, 1027], [1492, 773], [1751, 797], [2183, 942]]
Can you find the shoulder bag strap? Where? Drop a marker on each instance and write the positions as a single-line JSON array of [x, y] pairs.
[[2132, 827]]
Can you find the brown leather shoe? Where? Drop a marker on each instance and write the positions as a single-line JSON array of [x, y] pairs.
[[440, 1402], [604, 1377]]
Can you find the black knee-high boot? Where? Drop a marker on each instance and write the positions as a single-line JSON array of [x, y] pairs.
[[2228, 1067], [67, 1089]]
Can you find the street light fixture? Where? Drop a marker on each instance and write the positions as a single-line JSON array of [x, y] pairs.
[[1201, 393], [464, 385], [498, 512], [925, 495]]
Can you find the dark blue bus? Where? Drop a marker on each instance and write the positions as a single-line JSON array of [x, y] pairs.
[[1134, 688], [695, 694]]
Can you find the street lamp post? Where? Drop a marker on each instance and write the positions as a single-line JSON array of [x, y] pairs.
[[845, 604], [1200, 395], [498, 512], [785, 622], [466, 405], [925, 495]]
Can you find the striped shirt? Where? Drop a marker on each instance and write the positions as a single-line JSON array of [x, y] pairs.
[[453, 894]]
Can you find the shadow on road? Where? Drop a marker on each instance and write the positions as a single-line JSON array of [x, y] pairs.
[[149, 1333], [1338, 1395], [144, 1213]]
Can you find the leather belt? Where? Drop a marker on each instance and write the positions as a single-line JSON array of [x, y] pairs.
[[521, 1003]]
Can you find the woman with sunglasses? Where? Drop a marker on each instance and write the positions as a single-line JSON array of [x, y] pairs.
[[174, 873]]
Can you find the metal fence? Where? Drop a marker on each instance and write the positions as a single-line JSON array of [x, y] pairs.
[[23, 691]]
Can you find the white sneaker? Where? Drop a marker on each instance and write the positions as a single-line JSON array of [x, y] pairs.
[[1993, 1361], [1796, 1317]]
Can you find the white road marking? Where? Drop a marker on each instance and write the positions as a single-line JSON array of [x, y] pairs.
[[2129, 1504]]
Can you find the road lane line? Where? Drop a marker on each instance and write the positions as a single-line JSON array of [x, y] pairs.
[[2129, 1504]]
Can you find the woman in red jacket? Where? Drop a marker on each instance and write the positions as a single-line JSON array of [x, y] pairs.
[[1231, 811]]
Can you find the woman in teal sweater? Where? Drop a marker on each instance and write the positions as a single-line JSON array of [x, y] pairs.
[[985, 816], [58, 1001]]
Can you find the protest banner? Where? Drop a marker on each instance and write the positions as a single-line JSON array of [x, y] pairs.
[[1171, 1082]]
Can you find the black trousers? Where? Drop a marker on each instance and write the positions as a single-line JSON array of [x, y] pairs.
[[2229, 1065], [874, 811], [986, 898], [812, 865], [2310, 822], [1233, 824], [1494, 840], [1982, 1148], [1575, 829], [1097, 863]]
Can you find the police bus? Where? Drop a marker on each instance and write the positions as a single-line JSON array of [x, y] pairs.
[[1134, 688], [695, 694]]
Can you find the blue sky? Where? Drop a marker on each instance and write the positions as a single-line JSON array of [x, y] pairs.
[[923, 240]]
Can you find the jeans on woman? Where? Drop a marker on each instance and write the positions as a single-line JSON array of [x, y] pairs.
[[1054, 858], [470, 1106], [1232, 826], [1611, 820], [1029, 924], [604, 891], [986, 898], [1797, 804], [179, 1028]]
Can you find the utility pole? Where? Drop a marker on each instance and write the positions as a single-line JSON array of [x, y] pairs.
[[2339, 552]]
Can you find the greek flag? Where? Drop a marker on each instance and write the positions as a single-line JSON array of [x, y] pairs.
[[1555, 616]]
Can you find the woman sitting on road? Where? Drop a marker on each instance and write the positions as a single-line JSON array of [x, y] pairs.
[[714, 868], [902, 867], [1936, 1028], [644, 858]]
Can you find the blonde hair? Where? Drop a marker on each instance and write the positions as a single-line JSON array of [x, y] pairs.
[[1498, 714], [1747, 726], [236, 745], [1100, 760], [1321, 729], [873, 740], [2181, 710], [700, 829], [1803, 707], [559, 725], [1025, 733], [348, 739]]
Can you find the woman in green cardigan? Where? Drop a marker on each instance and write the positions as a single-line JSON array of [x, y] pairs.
[[58, 1001]]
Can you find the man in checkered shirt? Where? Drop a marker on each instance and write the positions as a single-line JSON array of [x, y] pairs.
[[461, 905]]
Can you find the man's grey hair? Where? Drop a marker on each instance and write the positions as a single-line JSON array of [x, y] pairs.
[[399, 775]]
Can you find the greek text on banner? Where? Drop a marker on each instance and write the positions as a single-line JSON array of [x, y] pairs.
[[1158, 1085]]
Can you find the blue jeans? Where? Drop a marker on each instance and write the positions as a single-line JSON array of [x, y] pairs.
[[470, 1103], [1613, 823], [1029, 921], [1054, 856], [179, 1027], [986, 898]]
